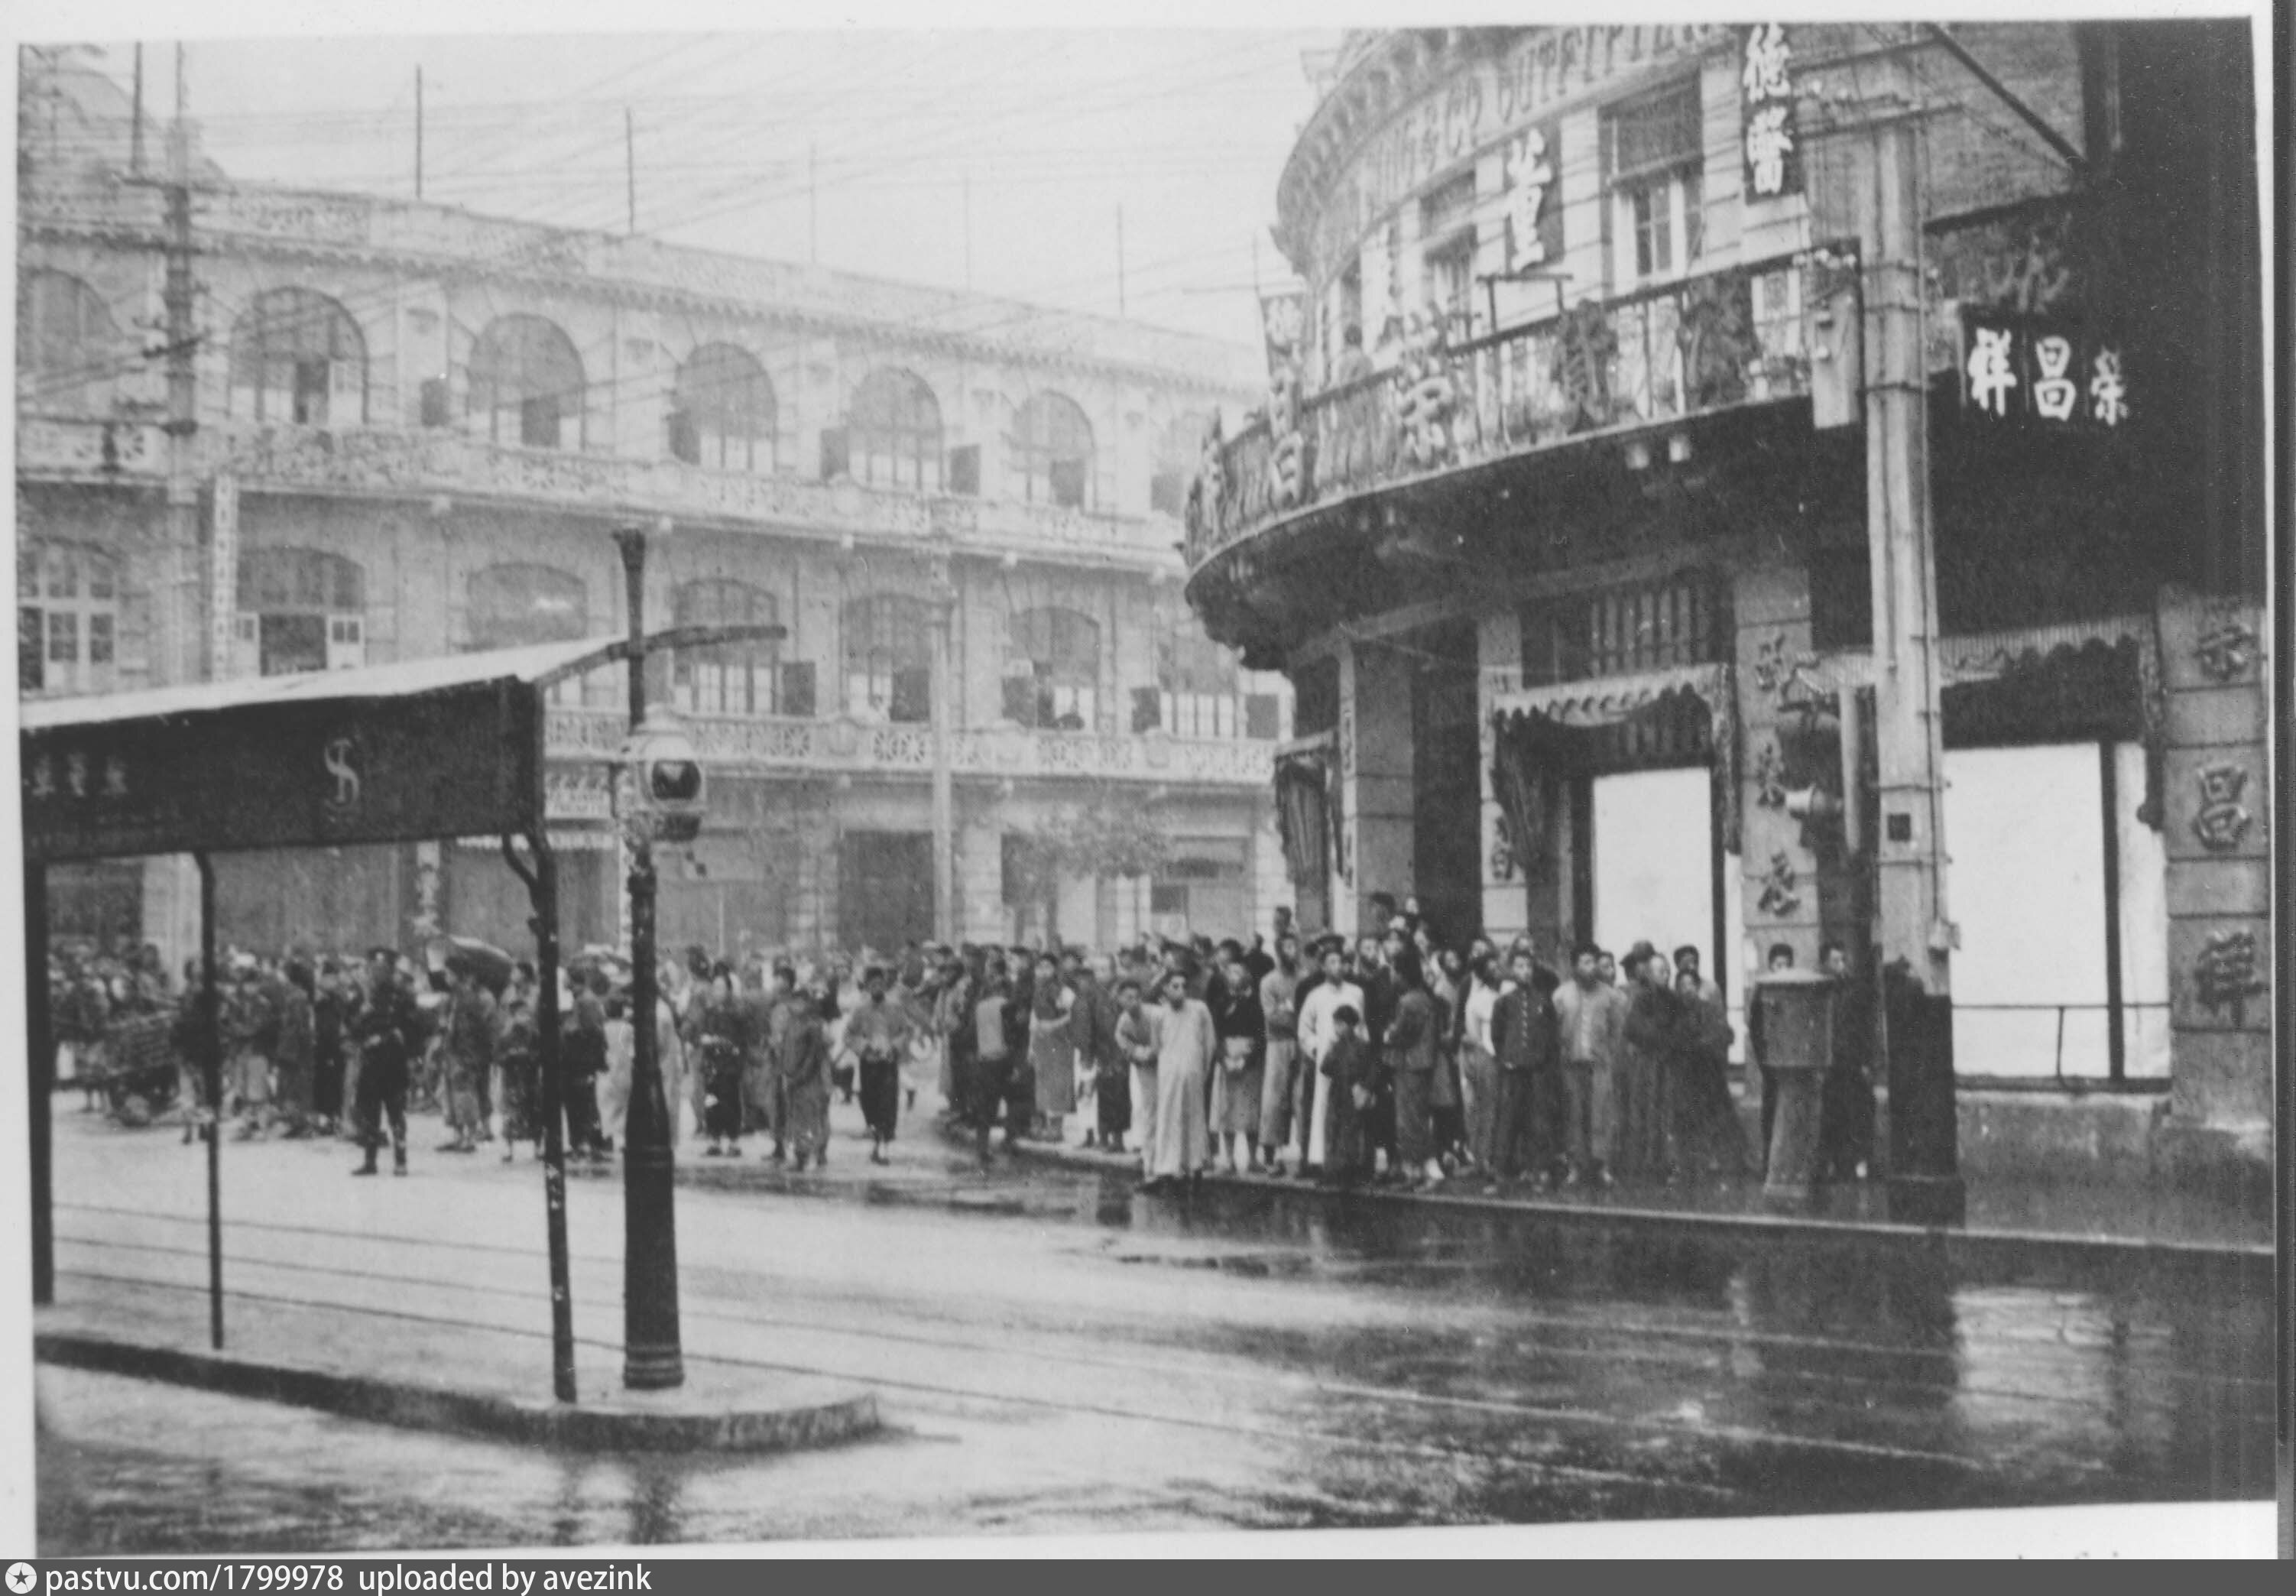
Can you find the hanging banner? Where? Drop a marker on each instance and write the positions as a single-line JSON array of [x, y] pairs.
[[2049, 372], [1766, 113]]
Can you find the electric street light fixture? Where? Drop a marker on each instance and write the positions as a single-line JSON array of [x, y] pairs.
[[658, 798]]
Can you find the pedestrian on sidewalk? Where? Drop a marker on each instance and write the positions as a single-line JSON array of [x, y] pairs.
[[805, 1070], [1351, 1068], [722, 1042], [328, 1010], [1526, 1049], [1137, 1044], [1590, 1013], [1412, 1039], [1097, 1010], [388, 1034], [878, 1034], [519, 1064], [992, 1059], [1479, 1065], [1281, 1077], [585, 1063], [1650, 1036], [1241, 1025], [1780, 956], [1707, 1137], [1185, 1048], [1845, 1137], [766, 1028], [292, 1045], [469, 1027], [1319, 1031], [1051, 1048], [953, 1019]]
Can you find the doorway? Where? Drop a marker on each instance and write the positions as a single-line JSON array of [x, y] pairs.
[[1657, 875]]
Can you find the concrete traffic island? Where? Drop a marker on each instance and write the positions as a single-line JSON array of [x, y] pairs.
[[412, 1382]]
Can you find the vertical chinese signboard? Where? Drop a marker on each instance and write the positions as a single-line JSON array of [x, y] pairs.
[[2050, 372], [1767, 114], [1534, 214]]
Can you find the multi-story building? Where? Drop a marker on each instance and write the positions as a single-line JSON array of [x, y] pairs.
[[415, 429], [1563, 540]]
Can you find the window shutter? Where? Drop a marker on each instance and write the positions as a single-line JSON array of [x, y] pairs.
[[911, 696], [797, 689], [836, 453], [1261, 717], [1147, 708], [964, 470]]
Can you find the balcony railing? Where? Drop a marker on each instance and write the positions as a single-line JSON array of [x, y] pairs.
[[844, 747], [1725, 339], [377, 460]]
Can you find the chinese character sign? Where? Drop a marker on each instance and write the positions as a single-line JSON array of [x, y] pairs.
[[1534, 218], [1282, 319], [1773, 162], [2048, 372]]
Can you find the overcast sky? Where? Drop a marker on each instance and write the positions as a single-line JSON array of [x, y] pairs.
[[1002, 158]]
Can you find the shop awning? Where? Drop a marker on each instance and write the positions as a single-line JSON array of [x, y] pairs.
[[1608, 700], [445, 747]]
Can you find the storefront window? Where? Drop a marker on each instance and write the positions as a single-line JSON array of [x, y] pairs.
[[301, 609]]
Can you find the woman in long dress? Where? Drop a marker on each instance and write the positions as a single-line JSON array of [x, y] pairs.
[[1052, 1047], [1478, 1065], [1241, 1025], [1643, 1093], [1708, 1139], [1412, 1038], [1185, 1047]]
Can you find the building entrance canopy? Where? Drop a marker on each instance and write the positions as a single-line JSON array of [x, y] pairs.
[[1539, 737]]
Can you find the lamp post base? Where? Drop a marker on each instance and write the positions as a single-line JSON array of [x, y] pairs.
[[652, 1369]]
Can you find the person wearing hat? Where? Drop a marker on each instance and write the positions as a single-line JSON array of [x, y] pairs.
[[1319, 1031], [387, 1034], [802, 1062], [773, 1022], [878, 1034]]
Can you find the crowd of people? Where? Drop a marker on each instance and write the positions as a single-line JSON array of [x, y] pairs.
[[1389, 1057]]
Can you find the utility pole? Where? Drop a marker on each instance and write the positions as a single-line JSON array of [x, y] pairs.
[[135, 120], [630, 163], [182, 425], [1916, 936], [813, 203], [944, 794], [418, 134]]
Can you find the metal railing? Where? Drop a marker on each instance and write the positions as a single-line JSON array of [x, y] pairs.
[[1710, 342], [2118, 1080]]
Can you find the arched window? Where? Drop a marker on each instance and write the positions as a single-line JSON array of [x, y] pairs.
[[67, 343], [722, 411], [735, 678], [1178, 451], [1051, 670], [298, 356], [895, 431], [526, 380], [889, 658], [67, 619], [1052, 451], [301, 609]]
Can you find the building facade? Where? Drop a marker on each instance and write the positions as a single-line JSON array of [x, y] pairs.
[[414, 430], [1557, 518]]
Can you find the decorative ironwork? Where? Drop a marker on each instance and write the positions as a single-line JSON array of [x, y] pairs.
[[1780, 895], [1717, 339], [2225, 975], [1585, 346], [2222, 821], [1288, 453]]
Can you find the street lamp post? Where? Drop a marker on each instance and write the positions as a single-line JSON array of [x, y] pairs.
[[652, 1359]]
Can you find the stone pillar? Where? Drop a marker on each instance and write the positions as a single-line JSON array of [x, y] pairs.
[[1771, 604], [2217, 807], [1506, 890], [981, 885], [1375, 748]]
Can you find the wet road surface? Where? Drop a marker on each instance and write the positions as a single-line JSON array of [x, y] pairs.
[[1056, 1354]]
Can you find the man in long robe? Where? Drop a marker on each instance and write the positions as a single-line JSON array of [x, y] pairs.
[[877, 1032], [1186, 1047], [1318, 1030]]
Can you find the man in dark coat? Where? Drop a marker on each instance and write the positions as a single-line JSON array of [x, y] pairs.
[[1527, 1046], [1846, 1113], [388, 1032]]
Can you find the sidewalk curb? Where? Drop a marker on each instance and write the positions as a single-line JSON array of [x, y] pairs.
[[603, 1426], [1966, 1243]]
